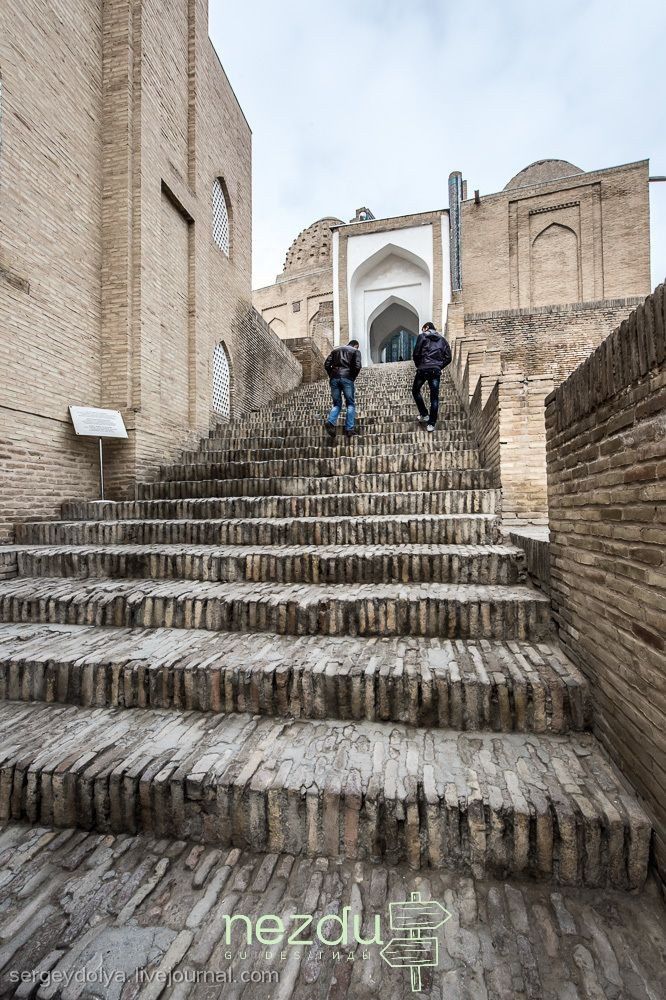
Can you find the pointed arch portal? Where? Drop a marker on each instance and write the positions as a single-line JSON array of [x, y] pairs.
[[391, 296]]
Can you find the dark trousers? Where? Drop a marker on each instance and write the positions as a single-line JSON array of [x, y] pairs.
[[432, 377]]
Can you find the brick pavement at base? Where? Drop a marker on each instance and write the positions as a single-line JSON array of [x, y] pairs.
[[74, 903]]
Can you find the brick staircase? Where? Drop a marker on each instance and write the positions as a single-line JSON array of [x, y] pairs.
[[295, 646]]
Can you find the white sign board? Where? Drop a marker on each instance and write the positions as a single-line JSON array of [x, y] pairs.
[[89, 421]]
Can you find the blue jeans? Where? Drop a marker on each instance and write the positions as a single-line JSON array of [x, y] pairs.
[[432, 377], [340, 387]]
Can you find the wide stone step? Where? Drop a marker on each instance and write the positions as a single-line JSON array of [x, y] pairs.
[[486, 501], [465, 685], [390, 482], [372, 402], [338, 465], [368, 402], [547, 806], [211, 451], [312, 420], [408, 564], [433, 609], [372, 440], [437, 529]]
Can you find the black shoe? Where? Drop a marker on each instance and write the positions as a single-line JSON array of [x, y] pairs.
[[330, 430], [352, 433]]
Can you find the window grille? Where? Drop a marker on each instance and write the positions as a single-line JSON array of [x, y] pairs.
[[221, 382], [221, 232]]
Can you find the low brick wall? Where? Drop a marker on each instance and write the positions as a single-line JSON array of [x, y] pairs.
[[606, 456], [486, 426]]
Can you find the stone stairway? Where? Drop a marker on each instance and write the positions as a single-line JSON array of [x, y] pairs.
[[291, 645]]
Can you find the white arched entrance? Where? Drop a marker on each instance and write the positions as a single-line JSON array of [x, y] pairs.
[[391, 276]]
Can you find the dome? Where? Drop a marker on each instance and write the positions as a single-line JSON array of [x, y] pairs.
[[312, 248], [542, 171]]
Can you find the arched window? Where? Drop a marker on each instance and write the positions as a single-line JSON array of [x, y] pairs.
[[221, 381], [221, 223]]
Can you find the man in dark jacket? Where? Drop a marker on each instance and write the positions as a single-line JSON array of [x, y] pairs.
[[431, 355], [342, 366]]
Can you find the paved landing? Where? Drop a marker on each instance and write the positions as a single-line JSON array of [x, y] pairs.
[[120, 917]]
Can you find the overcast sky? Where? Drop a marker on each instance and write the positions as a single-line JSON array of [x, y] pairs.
[[375, 102]]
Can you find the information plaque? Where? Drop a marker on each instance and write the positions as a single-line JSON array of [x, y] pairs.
[[91, 421]]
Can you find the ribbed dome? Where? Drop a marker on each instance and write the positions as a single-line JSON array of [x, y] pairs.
[[542, 171], [312, 248]]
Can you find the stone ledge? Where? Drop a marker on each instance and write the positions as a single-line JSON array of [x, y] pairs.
[[368, 529], [534, 540], [480, 501], [335, 564]]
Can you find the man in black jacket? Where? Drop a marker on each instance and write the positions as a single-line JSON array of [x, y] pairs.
[[431, 355], [342, 366]]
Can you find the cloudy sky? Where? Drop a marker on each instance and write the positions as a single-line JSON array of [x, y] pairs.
[[374, 102]]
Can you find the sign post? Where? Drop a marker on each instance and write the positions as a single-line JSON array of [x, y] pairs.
[[90, 421], [415, 951]]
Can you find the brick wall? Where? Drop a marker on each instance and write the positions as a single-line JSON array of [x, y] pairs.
[[117, 118], [50, 249], [292, 304], [550, 340], [485, 421], [593, 228], [264, 367], [606, 454]]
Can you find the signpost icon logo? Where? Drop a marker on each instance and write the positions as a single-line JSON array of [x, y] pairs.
[[413, 950]]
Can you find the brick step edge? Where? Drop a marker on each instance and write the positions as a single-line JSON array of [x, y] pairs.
[[549, 807], [454, 529], [446, 610], [207, 451], [430, 461], [503, 687], [426, 481], [323, 505], [488, 566]]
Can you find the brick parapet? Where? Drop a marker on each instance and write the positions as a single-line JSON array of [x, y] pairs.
[[606, 460]]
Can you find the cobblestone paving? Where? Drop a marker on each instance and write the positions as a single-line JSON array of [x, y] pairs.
[[84, 915]]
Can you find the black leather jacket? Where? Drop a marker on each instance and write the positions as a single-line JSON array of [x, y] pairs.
[[431, 351], [343, 362]]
